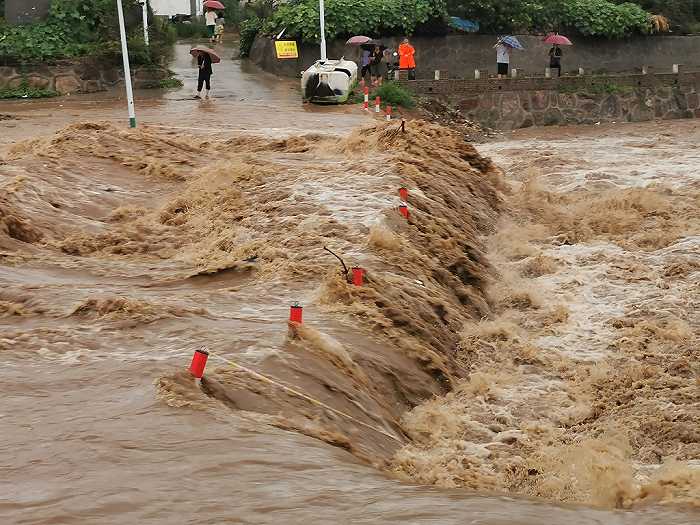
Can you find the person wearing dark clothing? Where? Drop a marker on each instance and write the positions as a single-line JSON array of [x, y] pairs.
[[376, 65], [205, 71], [555, 55]]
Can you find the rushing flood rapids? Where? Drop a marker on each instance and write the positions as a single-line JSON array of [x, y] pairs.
[[530, 335]]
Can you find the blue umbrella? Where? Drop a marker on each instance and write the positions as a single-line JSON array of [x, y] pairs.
[[511, 41], [467, 26]]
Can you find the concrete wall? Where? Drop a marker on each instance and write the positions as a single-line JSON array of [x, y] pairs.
[[519, 103], [26, 11], [461, 54]]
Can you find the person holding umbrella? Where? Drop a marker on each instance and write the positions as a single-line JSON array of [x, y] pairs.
[[503, 47], [555, 53], [376, 65], [205, 58], [211, 15], [502, 59]]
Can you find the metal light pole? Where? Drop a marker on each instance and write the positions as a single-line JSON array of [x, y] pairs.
[[127, 69], [322, 15], [144, 4]]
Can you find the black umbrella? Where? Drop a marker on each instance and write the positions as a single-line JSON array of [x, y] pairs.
[[369, 46]]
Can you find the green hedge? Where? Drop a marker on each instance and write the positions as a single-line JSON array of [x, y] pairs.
[[249, 29], [603, 18], [75, 27], [354, 17]]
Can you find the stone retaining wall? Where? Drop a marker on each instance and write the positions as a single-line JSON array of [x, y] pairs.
[[519, 103], [78, 77]]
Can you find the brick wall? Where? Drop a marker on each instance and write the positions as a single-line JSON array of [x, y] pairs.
[[685, 80]]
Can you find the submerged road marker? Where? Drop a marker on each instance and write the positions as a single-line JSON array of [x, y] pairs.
[[199, 362], [377, 103], [358, 275], [296, 313], [366, 103], [404, 210], [388, 112], [403, 193]]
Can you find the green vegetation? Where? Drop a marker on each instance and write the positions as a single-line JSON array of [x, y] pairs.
[[191, 30], [604, 18], [354, 17], [390, 93], [597, 88], [170, 83], [75, 28], [26, 91], [600, 18], [249, 29], [683, 15]]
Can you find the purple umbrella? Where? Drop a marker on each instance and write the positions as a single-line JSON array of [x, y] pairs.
[[358, 40]]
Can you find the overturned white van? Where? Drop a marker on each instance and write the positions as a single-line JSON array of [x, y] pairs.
[[329, 81]]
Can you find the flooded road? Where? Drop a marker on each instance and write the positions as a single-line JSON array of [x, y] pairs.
[[123, 251]]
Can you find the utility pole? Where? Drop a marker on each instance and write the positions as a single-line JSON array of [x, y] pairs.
[[144, 4], [127, 69], [322, 15]]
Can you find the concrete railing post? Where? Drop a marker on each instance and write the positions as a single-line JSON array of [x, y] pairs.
[[514, 73], [581, 72], [477, 74], [397, 75], [676, 68], [437, 74], [645, 70], [547, 73]]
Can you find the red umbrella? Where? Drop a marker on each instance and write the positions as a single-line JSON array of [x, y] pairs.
[[358, 40], [556, 38], [214, 4], [215, 59]]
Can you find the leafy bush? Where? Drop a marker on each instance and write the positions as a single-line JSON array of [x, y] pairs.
[[596, 17], [393, 94], [25, 91], [604, 18], [191, 30], [390, 93], [354, 17], [249, 29], [170, 83], [74, 28]]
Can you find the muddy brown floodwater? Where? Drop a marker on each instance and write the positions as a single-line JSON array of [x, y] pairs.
[[523, 351]]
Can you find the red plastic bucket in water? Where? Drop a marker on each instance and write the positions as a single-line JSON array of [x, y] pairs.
[[403, 193], [404, 210], [199, 361], [357, 276], [295, 313]]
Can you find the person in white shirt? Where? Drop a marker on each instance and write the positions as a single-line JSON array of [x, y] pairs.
[[502, 59], [210, 17]]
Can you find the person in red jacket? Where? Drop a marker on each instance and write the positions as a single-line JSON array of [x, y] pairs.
[[406, 59]]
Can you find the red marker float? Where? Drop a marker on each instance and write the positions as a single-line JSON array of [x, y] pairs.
[[404, 210], [295, 313], [388, 112], [377, 103], [358, 276], [199, 361], [403, 193]]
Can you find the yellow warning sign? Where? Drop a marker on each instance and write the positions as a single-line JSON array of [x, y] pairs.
[[286, 49]]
